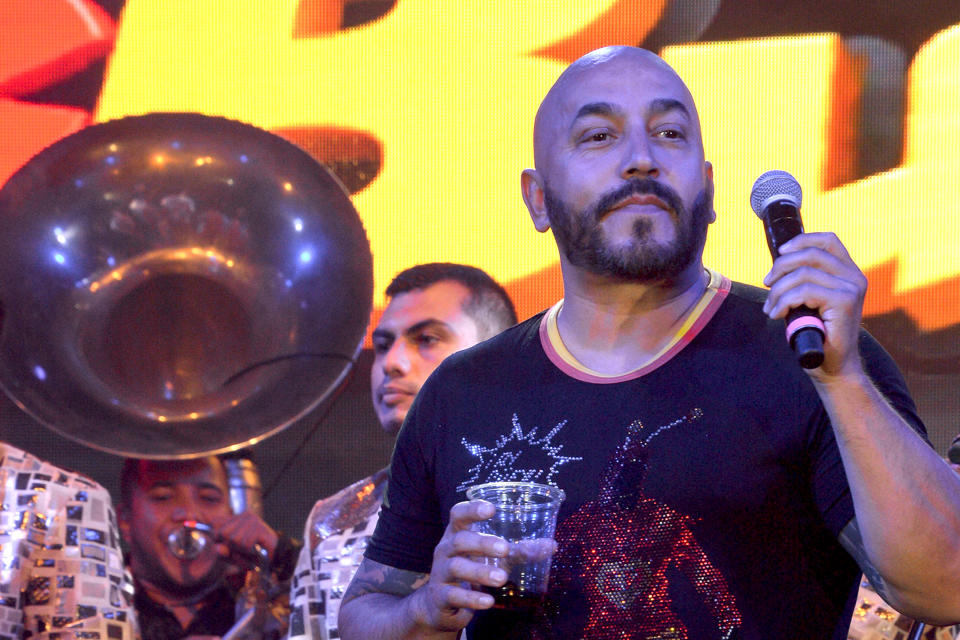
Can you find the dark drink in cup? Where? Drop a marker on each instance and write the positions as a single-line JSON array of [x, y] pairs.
[[526, 517], [510, 597]]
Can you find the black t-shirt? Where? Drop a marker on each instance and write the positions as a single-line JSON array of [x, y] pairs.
[[157, 623], [704, 491]]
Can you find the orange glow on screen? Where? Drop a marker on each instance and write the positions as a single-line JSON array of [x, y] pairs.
[[435, 102]]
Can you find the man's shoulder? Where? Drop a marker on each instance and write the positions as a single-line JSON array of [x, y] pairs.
[[741, 315], [509, 344], [49, 475], [744, 321], [746, 301], [519, 334], [345, 508], [747, 293]]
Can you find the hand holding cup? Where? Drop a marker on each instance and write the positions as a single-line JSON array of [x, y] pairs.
[[526, 517]]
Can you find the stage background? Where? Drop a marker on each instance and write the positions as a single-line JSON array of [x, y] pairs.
[[424, 109]]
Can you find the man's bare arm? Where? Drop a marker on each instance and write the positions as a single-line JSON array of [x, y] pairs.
[[386, 603], [373, 577], [907, 503], [375, 605], [852, 541], [906, 499]]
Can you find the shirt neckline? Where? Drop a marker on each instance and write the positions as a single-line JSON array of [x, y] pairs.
[[716, 291]]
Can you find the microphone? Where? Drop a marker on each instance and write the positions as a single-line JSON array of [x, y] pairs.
[[776, 199]]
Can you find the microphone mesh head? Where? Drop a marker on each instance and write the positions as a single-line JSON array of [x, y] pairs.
[[777, 185]]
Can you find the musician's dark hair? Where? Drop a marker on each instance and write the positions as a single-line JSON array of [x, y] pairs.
[[133, 468], [489, 305]]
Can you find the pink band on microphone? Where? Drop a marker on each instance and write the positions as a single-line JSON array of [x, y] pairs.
[[803, 322]]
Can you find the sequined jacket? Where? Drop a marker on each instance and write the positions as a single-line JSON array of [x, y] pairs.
[[335, 537], [61, 568]]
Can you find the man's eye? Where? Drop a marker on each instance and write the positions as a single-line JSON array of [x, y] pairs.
[[159, 496], [672, 134], [427, 340], [213, 498], [380, 347]]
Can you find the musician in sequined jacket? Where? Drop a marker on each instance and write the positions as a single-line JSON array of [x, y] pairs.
[[61, 568], [434, 310]]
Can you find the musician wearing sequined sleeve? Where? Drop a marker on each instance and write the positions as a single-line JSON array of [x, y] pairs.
[[434, 310], [61, 568]]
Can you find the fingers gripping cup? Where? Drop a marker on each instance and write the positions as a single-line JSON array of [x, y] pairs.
[[526, 517]]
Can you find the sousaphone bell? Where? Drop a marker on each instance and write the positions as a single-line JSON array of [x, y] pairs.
[[177, 284]]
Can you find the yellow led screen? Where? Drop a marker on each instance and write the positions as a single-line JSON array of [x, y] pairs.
[[436, 101]]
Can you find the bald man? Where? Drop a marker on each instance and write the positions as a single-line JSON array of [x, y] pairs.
[[715, 489]]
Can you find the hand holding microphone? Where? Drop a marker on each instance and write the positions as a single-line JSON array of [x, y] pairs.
[[814, 283], [244, 538], [776, 198]]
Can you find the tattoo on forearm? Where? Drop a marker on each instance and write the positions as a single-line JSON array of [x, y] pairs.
[[372, 577], [852, 541]]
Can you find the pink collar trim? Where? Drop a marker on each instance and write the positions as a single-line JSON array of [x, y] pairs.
[[706, 307]]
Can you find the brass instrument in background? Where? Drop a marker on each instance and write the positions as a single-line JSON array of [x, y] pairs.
[[177, 284]]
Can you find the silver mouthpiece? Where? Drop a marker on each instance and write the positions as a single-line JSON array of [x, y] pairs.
[[189, 539]]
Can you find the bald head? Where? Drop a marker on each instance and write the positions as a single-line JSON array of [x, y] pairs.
[[619, 65], [620, 175]]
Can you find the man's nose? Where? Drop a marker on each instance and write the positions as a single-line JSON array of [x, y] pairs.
[[639, 160], [186, 509], [397, 359]]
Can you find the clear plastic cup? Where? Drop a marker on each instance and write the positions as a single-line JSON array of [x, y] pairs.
[[526, 517]]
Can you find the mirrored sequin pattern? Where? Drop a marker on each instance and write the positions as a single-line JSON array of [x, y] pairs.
[[61, 569]]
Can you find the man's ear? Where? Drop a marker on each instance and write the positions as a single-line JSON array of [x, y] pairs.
[[708, 167], [123, 520], [531, 183]]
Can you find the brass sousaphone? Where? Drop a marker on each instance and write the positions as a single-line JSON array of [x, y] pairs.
[[177, 284]]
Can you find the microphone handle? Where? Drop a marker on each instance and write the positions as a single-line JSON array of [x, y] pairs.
[[807, 343], [804, 326], [781, 221]]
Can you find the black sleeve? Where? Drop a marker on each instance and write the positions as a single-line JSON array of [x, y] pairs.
[[888, 379], [411, 523]]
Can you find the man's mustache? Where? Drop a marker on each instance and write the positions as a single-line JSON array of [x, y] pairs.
[[637, 186]]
